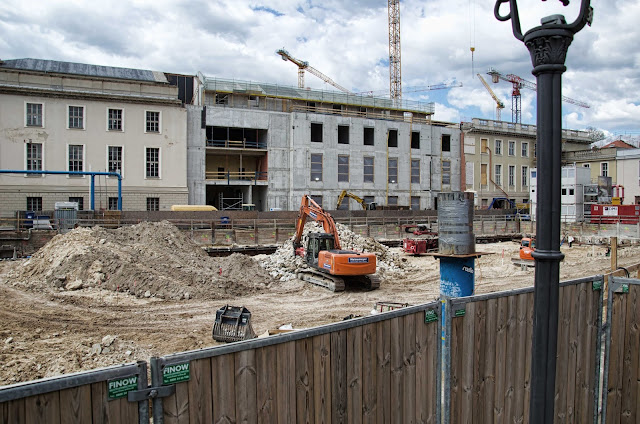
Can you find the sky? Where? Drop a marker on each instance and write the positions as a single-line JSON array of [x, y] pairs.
[[349, 42]]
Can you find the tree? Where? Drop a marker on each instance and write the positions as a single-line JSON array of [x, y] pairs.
[[595, 134]]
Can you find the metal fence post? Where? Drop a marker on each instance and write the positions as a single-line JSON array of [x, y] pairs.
[[156, 381]]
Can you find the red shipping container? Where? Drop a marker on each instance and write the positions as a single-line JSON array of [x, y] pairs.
[[610, 214]]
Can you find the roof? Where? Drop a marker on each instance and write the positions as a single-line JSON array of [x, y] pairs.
[[54, 66], [619, 144]]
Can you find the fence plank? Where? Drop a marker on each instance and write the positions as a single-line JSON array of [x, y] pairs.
[[397, 380], [479, 360], [489, 376], [76, 405], [246, 386], [456, 369], [354, 375], [409, 368], [369, 373], [510, 353], [176, 408], [617, 328], [285, 382], [564, 321], [13, 412], [582, 351], [468, 356], [528, 350], [520, 360], [304, 380], [501, 355], [383, 357], [586, 389], [266, 358], [222, 389], [200, 391], [322, 378], [630, 364], [423, 370], [570, 366], [339, 377], [43, 408], [99, 404], [594, 356]]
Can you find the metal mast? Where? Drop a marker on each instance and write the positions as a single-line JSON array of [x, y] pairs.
[[395, 69]]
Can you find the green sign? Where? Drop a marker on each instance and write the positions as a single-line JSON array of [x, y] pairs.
[[119, 387], [625, 288], [430, 316], [176, 373], [460, 312], [597, 285]]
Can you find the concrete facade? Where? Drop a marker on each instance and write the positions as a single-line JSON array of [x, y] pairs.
[[43, 137], [272, 139]]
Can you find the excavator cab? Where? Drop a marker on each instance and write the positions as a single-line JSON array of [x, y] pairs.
[[317, 243]]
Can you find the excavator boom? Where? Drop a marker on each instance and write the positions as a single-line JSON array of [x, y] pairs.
[[309, 208]]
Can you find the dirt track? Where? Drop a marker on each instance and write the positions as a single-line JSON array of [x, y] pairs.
[[46, 333]]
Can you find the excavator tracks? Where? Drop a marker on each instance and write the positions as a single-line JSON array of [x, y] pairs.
[[335, 283]]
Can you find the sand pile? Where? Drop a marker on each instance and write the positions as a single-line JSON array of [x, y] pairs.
[[283, 263], [150, 259]]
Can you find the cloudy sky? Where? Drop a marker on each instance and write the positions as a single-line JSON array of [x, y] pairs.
[[348, 41]]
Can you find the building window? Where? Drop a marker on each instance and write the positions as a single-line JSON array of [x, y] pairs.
[[76, 158], [392, 170], [604, 169], [525, 150], [153, 204], [564, 192], [587, 165], [415, 171], [79, 201], [113, 203], [415, 139], [34, 115], [343, 134], [222, 99], [512, 148], [316, 166], [317, 199], [446, 142], [114, 159], [343, 168], [152, 165], [368, 136], [525, 176], [152, 122], [512, 175], [34, 156], [76, 117], [392, 201], [498, 149], [368, 169], [316, 132], [114, 120], [392, 138], [498, 175], [415, 203], [484, 145], [535, 150], [446, 172], [34, 203], [571, 192]]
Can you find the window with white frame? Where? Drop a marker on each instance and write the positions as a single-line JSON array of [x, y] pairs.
[[392, 170], [115, 120], [497, 177], [525, 176], [512, 176], [33, 156], [75, 158], [415, 171], [316, 166], [113, 204], [343, 168], [498, 148], [34, 115], [525, 149], [152, 165], [76, 117], [512, 148], [368, 169], [604, 169], [114, 159], [152, 121]]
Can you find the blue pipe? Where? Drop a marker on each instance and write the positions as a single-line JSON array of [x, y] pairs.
[[93, 174]]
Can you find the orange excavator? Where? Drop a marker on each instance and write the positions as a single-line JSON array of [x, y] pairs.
[[328, 265]]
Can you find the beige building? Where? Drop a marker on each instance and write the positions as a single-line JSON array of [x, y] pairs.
[[500, 155], [601, 161], [60, 116], [628, 174]]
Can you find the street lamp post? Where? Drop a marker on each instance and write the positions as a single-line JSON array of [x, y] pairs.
[[548, 45]]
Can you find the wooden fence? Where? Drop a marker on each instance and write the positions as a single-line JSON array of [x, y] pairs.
[[85, 397], [488, 355], [378, 369]]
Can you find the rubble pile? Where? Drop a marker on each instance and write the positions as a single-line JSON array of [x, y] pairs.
[[150, 259], [283, 264]]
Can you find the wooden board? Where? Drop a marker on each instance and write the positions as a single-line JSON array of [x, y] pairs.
[[630, 358], [423, 370], [456, 369], [222, 389], [383, 359], [200, 391], [354, 375], [99, 404], [176, 408], [304, 380], [479, 360], [528, 349], [500, 363], [322, 378], [520, 359], [43, 408], [13, 412], [75, 405], [614, 389], [564, 323], [489, 377], [246, 386], [409, 368], [468, 357], [570, 366], [339, 377], [397, 371], [369, 374], [509, 385], [267, 396]]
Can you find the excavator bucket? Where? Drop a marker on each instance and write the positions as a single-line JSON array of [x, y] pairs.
[[233, 324]]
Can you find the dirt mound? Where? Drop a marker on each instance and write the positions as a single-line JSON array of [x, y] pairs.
[[150, 259]]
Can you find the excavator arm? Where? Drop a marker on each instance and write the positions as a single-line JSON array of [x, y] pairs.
[[309, 208], [345, 193]]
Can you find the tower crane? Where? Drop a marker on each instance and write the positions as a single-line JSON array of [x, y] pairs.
[[395, 68], [518, 83], [499, 103], [304, 66], [440, 86]]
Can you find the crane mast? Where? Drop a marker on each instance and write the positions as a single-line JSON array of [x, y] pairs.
[[304, 66], [499, 103], [395, 69]]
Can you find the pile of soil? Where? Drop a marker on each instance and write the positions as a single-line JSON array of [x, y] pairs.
[[150, 259]]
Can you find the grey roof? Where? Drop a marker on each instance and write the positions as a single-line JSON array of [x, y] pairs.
[[54, 66]]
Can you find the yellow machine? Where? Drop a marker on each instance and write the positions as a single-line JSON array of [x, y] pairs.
[[345, 193]]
